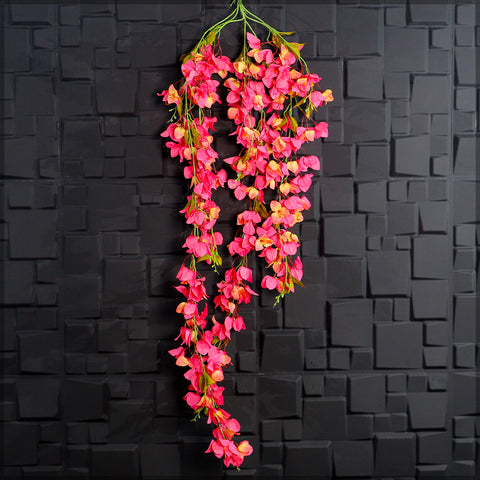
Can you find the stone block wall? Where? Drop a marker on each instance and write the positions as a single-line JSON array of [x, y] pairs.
[[370, 370]]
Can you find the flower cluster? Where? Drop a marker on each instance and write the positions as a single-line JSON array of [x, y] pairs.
[[265, 85], [270, 101], [201, 348]]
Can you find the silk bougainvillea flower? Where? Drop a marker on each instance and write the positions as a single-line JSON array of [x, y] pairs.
[[271, 99]]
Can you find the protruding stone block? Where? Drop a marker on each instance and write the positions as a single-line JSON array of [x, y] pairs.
[[344, 235], [324, 418], [412, 155], [366, 121], [81, 139], [372, 197], [306, 307], [353, 22], [367, 393], [112, 207], [429, 255], [373, 161], [403, 462], [280, 396], [434, 447], [32, 233], [126, 280], [81, 254], [353, 458], [24, 434], [40, 352], [429, 298], [84, 399], [389, 272], [115, 90], [352, 323], [303, 458], [402, 218], [427, 410], [364, 78], [346, 277], [290, 343], [118, 460], [81, 296], [401, 40], [429, 93], [21, 280], [399, 345]]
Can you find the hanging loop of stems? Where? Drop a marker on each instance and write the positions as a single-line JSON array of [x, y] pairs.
[[242, 14]]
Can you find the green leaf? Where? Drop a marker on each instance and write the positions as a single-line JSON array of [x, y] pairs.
[[195, 135], [295, 48], [204, 381], [211, 38], [261, 210], [278, 41], [286, 33], [294, 123], [301, 102], [298, 282], [309, 110], [204, 258], [217, 258]]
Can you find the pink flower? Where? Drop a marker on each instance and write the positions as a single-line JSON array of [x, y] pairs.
[[289, 248], [253, 41], [238, 324], [192, 399], [310, 161], [241, 247], [248, 216], [196, 216], [303, 182], [215, 448], [269, 282], [245, 273], [203, 347], [177, 352], [196, 246], [317, 98], [321, 130], [297, 269], [186, 275], [245, 448], [170, 96], [220, 331]]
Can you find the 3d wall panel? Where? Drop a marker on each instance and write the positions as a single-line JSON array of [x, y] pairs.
[[370, 370]]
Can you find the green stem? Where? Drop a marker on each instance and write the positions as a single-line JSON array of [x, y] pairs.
[[274, 31], [217, 27], [241, 13]]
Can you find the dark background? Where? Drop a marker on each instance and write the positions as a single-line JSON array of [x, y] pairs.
[[368, 370]]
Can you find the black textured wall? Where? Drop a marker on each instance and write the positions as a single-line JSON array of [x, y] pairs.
[[368, 370]]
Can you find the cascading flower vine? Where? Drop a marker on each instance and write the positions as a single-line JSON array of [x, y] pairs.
[[271, 98]]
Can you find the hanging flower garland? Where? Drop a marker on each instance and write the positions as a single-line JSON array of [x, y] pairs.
[[271, 97]]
